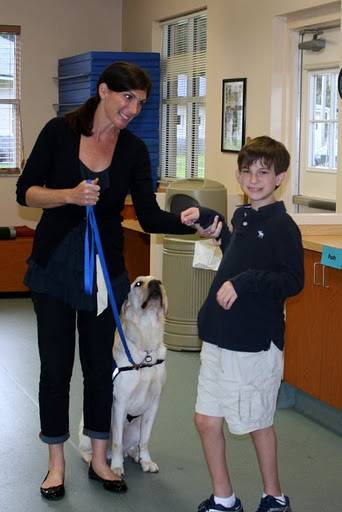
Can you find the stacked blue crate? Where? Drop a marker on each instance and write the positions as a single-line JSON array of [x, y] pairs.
[[77, 79]]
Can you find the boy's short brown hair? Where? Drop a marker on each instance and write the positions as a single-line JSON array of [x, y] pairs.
[[269, 151]]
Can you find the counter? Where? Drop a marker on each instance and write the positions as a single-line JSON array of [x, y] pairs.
[[313, 349], [316, 235], [316, 242]]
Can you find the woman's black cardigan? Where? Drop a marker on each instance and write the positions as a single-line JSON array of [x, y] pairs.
[[54, 163]]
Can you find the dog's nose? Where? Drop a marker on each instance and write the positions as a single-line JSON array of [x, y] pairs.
[[154, 292], [154, 285]]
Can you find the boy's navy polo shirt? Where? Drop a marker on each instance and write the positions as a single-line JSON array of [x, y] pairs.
[[263, 259]]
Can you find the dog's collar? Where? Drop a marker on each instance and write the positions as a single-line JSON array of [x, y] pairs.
[[117, 369]]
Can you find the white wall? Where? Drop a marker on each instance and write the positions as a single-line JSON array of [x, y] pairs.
[[51, 30], [240, 44]]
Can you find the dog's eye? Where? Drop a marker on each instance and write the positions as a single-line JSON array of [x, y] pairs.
[[138, 283]]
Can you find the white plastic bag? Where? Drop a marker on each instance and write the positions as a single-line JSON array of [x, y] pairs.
[[206, 255], [102, 296]]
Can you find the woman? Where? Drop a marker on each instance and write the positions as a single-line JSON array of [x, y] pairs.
[[91, 143]]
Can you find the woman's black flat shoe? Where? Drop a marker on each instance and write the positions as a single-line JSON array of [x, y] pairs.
[[52, 493], [109, 485]]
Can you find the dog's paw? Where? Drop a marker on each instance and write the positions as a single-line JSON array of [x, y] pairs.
[[148, 466]]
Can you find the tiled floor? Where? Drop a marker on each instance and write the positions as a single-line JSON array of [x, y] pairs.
[[310, 455]]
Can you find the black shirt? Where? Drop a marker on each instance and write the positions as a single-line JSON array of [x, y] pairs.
[[54, 163], [263, 259]]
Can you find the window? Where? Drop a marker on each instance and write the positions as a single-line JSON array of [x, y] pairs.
[[183, 94], [323, 116], [10, 129]]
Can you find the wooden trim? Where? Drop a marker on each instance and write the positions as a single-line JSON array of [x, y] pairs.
[[10, 172], [11, 29], [316, 243], [320, 229]]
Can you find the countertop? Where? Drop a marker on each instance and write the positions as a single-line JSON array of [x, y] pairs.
[[314, 236], [316, 242], [133, 225]]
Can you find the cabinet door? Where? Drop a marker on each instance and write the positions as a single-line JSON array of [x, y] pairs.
[[331, 314], [313, 341], [304, 327], [136, 253], [13, 257]]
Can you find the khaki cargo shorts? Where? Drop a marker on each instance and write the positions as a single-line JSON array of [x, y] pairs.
[[241, 387]]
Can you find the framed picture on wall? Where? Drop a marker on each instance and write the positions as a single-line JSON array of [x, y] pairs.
[[233, 114]]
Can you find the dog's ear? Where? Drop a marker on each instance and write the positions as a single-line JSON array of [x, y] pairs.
[[125, 306]]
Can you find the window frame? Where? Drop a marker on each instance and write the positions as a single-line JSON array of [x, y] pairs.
[[312, 120], [192, 103], [16, 169]]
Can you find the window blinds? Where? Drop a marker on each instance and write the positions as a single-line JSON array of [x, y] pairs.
[[183, 94], [10, 123]]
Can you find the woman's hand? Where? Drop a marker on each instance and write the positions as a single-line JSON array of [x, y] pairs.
[[191, 215], [85, 194], [226, 296]]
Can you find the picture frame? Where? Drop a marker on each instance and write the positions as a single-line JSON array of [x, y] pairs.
[[233, 114]]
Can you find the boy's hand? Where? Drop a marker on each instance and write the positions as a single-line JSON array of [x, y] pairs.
[[226, 296], [212, 231]]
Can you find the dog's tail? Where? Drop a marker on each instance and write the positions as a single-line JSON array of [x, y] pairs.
[[84, 444]]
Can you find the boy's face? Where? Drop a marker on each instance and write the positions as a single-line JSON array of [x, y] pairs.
[[259, 182]]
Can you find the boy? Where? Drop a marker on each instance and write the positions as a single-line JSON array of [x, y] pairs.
[[242, 324]]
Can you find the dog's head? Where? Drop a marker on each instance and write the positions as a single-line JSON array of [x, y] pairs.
[[147, 293], [143, 313]]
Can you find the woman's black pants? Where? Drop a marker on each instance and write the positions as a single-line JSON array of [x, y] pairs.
[[57, 323]]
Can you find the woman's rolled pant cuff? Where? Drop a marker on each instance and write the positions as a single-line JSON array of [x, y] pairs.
[[54, 439], [95, 435]]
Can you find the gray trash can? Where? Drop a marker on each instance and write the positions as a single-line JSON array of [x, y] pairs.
[[187, 287]]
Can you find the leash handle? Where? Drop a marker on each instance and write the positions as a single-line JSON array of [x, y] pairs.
[[89, 253], [89, 258], [91, 246]]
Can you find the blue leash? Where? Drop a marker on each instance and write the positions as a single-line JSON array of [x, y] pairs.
[[93, 245]]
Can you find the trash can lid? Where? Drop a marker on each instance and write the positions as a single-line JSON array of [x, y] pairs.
[[195, 184]]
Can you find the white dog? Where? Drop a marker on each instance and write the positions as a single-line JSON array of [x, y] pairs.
[[137, 390]]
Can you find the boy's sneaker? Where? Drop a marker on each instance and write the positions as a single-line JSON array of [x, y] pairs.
[[209, 505], [270, 504]]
